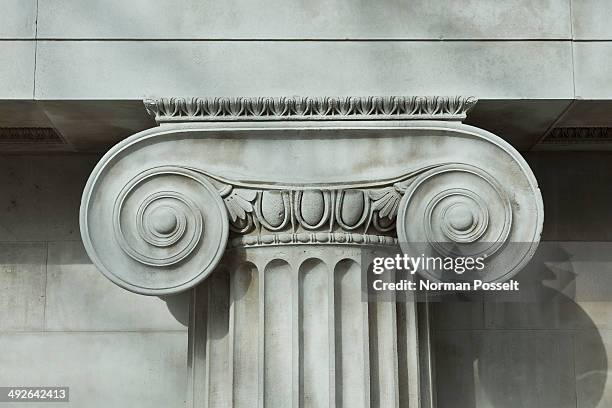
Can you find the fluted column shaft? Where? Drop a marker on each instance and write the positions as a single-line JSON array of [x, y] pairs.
[[287, 327]]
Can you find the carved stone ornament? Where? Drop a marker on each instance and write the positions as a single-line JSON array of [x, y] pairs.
[[309, 108], [161, 207]]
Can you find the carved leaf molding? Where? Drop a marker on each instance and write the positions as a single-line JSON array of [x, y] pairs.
[[247, 210], [310, 108], [239, 203]]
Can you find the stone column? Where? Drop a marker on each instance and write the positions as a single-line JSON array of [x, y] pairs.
[[261, 207]]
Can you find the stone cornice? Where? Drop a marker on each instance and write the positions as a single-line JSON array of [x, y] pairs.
[[453, 108]]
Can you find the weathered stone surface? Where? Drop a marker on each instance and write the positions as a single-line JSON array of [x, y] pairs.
[[79, 298], [590, 19], [18, 19], [39, 204], [275, 19], [505, 369], [76, 69], [17, 69], [591, 81], [22, 286], [101, 369]]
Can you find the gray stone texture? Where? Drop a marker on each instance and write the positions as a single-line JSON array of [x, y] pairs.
[[591, 19], [41, 196], [17, 69], [513, 69], [22, 286], [102, 369], [18, 19], [592, 81], [192, 19], [79, 298], [493, 70]]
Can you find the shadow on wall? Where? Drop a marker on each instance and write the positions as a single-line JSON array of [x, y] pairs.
[[178, 306], [546, 352]]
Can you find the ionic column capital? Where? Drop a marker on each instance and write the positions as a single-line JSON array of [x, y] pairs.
[[162, 207]]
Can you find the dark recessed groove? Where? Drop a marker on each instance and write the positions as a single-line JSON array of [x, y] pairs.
[[578, 135], [29, 135]]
